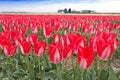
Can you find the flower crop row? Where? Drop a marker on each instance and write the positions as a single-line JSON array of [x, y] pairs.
[[62, 36]]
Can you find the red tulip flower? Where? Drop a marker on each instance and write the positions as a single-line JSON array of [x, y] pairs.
[[93, 42], [9, 50], [85, 57], [33, 38], [104, 49], [65, 41], [15, 33], [17, 40], [25, 47], [67, 52], [47, 31], [39, 48], [34, 29], [56, 38], [4, 40], [57, 26], [80, 42], [55, 52], [115, 43]]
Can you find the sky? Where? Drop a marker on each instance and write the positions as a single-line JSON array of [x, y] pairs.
[[51, 6]]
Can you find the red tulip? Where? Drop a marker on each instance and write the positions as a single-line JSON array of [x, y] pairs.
[[93, 42], [115, 43], [55, 52], [104, 49], [80, 42], [9, 50], [15, 33], [57, 26], [6, 35], [39, 48], [85, 57], [4, 41], [25, 47], [34, 29], [67, 52], [108, 36], [65, 41], [70, 39], [47, 31], [23, 30], [56, 38], [33, 38], [18, 39]]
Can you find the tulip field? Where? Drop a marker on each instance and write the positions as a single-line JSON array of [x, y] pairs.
[[59, 47]]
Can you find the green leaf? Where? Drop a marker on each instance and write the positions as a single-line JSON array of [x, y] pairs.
[[86, 75], [47, 61], [104, 74], [112, 75], [8, 78], [50, 75], [78, 75], [80, 29], [93, 75], [1, 29], [40, 34], [28, 32], [53, 66], [19, 73], [49, 40], [0, 51], [67, 75]]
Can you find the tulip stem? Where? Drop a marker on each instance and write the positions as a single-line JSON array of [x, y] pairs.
[[73, 67], [99, 70], [39, 65], [27, 66], [33, 67], [11, 62], [110, 60], [27, 61], [65, 62], [58, 72]]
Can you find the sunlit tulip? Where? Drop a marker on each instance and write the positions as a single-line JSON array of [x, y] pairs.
[[67, 52], [93, 42], [65, 41], [79, 42], [47, 31], [39, 48], [85, 57], [104, 49], [33, 38], [25, 47], [56, 38], [9, 50], [55, 52]]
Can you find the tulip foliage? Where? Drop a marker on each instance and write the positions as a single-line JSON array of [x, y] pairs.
[[62, 47]]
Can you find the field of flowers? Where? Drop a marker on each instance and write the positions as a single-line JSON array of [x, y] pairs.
[[59, 47]]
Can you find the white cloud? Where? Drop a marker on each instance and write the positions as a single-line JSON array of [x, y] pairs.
[[99, 6]]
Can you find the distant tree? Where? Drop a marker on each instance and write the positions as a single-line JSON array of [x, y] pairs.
[[69, 10], [60, 11], [65, 10]]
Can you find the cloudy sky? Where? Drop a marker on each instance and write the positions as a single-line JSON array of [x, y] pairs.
[[52, 6]]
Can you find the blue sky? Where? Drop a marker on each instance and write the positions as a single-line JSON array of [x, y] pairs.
[[51, 6], [43, 1]]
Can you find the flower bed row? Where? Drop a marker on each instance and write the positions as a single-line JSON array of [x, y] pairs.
[[48, 41]]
